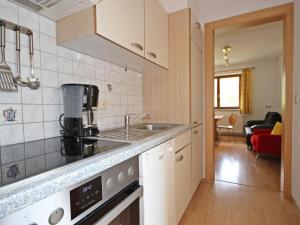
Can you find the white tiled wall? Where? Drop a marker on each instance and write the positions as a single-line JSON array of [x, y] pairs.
[[38, 110]]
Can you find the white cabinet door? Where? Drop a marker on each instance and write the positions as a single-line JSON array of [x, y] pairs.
[[157, 174], [182, 180], [122, 22], [156, 33], [197, 156], [196, 84]]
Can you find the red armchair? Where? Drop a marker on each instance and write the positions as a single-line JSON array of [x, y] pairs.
[[263, 142]]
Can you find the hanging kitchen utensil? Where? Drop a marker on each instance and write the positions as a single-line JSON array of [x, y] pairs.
[[7, 82], [31, 81]]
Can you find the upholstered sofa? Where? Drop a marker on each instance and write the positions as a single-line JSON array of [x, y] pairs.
[[268, 123], [263, 142]]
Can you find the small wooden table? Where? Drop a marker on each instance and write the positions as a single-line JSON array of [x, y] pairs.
[[217, 118]]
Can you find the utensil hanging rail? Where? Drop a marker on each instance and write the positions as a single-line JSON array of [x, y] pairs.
[[12, 26], [31, 81]]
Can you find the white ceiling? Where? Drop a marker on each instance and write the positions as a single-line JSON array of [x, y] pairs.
[[249, 43]]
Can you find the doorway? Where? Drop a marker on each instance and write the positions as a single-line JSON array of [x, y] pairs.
[[245, 67], [282, 13]]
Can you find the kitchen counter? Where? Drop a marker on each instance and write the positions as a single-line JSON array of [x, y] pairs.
[[18, 195]]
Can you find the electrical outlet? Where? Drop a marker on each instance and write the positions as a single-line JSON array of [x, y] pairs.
[[102, 104]]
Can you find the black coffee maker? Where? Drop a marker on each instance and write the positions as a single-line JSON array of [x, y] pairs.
[[79, 99]]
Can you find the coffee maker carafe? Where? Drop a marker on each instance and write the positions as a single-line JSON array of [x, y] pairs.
[[78, 99]]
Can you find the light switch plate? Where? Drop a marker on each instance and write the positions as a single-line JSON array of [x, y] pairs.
[[296, 99]]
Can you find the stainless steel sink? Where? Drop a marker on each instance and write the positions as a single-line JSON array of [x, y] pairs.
[[136, 132], [153, 127]]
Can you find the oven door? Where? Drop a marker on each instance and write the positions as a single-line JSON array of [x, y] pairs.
[[123, 209]]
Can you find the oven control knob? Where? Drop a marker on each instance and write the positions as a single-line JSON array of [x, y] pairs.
[[56, 216], [121, 177], [130, 171], [109, 183]]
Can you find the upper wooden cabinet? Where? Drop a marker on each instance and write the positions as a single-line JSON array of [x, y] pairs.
[[123, 23], [131, 33], [176, 96], [196, 32], [156, 33], [196, 84]]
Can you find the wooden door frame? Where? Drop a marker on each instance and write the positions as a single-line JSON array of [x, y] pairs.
[[283, 13]]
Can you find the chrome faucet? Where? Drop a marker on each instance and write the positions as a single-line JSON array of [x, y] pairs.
[[127, 119]]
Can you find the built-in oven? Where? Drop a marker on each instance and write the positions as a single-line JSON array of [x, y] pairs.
[[109, 199]]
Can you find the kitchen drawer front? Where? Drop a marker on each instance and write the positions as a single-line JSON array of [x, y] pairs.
[[183, 140]]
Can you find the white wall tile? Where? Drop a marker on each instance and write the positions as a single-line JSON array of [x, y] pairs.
[[78, 68], [11, 134], [52, 129], [48, 44], [28, 19], [51, 112], [49, 61], [90, 60], [11, 97], [47, 26], [50, 95], [32, 113], [8, 11], [65, 78], [33, 131], [30, 96], [64, 52], [49, 78], [65, 65], [18, 118]]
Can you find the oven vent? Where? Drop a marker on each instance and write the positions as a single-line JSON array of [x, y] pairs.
[[37, 5]]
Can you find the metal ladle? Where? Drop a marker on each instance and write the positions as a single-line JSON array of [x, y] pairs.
[[31, 82]]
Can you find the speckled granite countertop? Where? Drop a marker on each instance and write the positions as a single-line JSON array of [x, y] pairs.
[[17, 196]]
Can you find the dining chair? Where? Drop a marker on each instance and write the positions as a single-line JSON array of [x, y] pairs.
[[231, 123]]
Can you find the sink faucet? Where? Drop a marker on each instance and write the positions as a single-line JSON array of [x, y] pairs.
[[127, 119]]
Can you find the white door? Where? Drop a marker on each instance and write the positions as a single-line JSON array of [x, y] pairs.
[[122, 22], [157, 177]]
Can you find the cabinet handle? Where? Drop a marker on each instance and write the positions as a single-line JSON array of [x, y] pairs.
[[162, 156], [137, 45], [198, 25], [195, 132], [195, 122], [180, 158], [152, 54]]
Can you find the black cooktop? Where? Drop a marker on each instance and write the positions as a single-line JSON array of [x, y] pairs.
[[20, 161]]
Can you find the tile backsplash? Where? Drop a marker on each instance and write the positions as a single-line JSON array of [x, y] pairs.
[[38, 111]]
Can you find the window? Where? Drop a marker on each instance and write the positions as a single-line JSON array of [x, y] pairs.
[[227, 92]]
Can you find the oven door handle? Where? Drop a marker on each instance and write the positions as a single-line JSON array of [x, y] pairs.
[[110, 216]]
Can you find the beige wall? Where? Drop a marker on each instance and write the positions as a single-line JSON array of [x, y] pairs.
[[211, 10]]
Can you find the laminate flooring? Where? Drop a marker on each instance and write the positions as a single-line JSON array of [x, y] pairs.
[[236, 164], [222, 203]]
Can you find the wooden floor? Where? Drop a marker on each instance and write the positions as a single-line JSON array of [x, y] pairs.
[[235, 164], [224, 203]]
